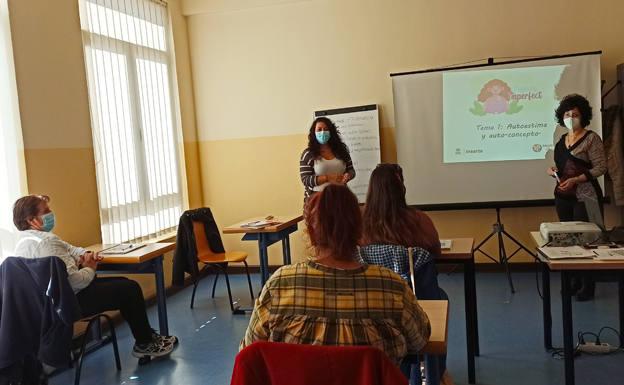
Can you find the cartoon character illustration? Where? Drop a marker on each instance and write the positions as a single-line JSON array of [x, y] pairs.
[[495, 98]]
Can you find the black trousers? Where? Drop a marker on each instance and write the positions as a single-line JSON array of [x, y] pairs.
[[573, 210], [570, 210], [117, 293]]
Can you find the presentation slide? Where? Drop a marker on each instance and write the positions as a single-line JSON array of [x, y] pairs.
[[503, 114], [485, 134]]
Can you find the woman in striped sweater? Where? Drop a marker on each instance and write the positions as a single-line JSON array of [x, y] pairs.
[[326, 159]]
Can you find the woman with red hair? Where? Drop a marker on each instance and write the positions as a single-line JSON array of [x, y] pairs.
[[333, 299]]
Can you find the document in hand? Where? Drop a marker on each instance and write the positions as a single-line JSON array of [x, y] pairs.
[[566, 252]]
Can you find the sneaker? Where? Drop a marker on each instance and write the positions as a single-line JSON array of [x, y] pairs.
[[165, 340], [152, 349]]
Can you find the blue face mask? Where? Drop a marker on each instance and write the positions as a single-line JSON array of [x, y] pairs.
[[48, 222], [322, 136]]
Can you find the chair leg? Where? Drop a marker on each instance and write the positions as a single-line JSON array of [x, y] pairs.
[[83, 347], [96, 321], [227, 282], [194, 290], [249, 281], [111, 328], [214, 284]]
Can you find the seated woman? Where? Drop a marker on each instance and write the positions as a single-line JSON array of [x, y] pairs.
[[390, 227], [33, 217], [333, 299]]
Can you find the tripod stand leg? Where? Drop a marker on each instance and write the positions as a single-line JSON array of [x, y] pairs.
[[502, 253]]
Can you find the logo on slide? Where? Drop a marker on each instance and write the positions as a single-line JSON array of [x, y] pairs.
[[495, 97]]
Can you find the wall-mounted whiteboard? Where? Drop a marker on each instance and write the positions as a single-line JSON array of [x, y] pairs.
[[359, 129]]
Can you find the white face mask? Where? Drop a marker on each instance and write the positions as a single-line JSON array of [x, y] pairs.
[[571, 123]]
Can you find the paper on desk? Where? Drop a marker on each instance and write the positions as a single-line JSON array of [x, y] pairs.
[[446, 244], [566, 252], [259, 224], [610, 254]]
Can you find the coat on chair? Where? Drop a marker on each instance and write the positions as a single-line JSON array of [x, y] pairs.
[[38, 309], [185, 257]]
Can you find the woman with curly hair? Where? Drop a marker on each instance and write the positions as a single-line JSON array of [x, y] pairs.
[[579, 161], [326, 159]]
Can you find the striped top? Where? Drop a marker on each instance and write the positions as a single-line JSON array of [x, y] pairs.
[[309, 303], [308, 176]]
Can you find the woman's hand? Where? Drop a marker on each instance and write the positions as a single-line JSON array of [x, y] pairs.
[[568, 184], [551, 171], [345, 178]]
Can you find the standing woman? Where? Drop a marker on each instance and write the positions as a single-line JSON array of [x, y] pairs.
[[326, 159], [579, 161]]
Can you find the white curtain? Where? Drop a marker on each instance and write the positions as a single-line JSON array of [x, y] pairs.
[[12, 167], [134, 117]]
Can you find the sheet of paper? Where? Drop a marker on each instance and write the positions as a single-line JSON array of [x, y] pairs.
[[610, 254], [566, 252]]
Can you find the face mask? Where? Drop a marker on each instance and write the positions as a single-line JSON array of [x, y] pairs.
[[48, 222], [571, 123], [322, 136]]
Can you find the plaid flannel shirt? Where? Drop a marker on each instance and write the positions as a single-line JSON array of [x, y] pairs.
[[308, 303]]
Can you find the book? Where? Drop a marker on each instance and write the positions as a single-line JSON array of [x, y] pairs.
[[121, 248], [568, 252]]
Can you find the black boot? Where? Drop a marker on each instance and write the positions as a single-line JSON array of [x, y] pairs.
[[586, 292]]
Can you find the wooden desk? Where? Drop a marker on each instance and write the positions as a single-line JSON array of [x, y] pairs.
[[267, 236], [567, 268], [146, 260], [437, 311], [461, 252]]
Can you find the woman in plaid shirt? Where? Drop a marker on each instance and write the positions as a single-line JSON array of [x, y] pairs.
[[332, 299]]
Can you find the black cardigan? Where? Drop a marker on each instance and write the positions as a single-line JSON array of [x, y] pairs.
[[44, 324], [185, 257]]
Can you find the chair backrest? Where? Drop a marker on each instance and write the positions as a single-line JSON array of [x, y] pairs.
[[421, 273], [201, 242], [293, 364]]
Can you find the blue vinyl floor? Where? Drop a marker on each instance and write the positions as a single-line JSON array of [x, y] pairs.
[[510, 327]]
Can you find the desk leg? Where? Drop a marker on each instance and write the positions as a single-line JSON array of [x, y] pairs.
[[264, 258], [621, 300], [432, 370], [566, 310], [163, 324], [286, 250], [546, 311], [470, 302]]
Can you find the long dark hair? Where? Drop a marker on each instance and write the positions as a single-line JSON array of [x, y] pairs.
[[387, 218], [338, 147], [334, 222]]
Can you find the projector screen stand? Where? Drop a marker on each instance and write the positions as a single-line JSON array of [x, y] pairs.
[[498, 230]]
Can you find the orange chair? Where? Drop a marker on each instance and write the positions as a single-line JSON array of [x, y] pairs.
[[219, 261]]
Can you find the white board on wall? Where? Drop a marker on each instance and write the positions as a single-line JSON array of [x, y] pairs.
[[359, 129]]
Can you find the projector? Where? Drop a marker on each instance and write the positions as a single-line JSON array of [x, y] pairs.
[[570, 233]]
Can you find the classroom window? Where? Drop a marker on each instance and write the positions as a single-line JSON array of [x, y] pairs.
[[134, 117]]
